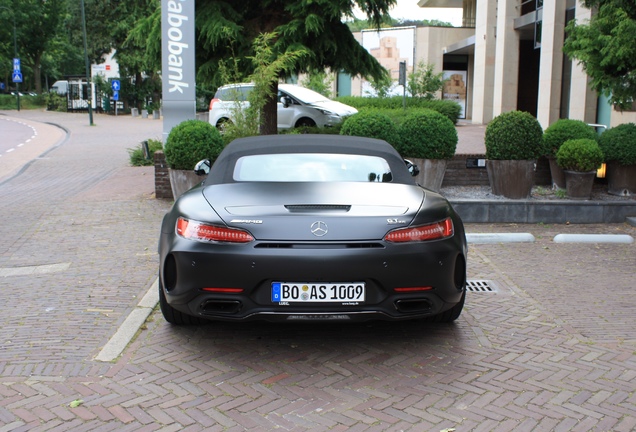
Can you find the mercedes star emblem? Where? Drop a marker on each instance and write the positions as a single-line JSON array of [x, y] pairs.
[[319, 228]]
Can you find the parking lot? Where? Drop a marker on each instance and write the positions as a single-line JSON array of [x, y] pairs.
[[546, 341]]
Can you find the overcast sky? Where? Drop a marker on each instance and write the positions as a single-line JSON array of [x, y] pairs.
[[410, 10]]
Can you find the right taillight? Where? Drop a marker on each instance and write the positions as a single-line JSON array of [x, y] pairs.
[[435, 231], [213, 101]]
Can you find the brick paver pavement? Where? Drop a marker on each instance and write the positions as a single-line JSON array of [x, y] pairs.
[[553, 347]]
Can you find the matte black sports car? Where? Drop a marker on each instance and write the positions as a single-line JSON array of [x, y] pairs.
[[311, 227]]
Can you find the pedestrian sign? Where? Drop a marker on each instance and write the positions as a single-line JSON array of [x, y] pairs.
[[17, 77]]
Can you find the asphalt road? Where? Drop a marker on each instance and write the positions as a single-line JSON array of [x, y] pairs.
[[549, 344]]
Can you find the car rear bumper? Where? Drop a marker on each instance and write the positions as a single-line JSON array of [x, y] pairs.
[[189, 268]]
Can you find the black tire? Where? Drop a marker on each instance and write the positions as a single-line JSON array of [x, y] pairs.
[[222, 125], [172, 315], [452, 314], [305, 122]]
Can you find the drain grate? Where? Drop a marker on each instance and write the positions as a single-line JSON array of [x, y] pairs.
[[480, 286]]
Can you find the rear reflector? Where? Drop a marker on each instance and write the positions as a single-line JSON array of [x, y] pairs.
[[224, 290], [413, 289], [194, 230], [436, 231]]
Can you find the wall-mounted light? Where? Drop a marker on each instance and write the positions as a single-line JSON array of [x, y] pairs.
[[600, 173]]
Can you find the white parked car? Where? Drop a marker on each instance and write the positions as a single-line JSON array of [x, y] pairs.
[[297, 106]]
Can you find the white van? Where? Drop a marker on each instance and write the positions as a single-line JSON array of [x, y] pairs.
[[297, 106]]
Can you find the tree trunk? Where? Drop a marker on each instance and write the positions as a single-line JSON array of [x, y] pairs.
[[269, 114], [37, 73]]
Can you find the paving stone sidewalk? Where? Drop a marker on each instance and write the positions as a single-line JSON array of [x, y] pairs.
[[552, 346]]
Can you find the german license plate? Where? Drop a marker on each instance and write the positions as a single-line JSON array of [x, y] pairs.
[[332, 292]]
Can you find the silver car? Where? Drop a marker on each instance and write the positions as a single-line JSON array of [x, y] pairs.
[[297, 106]]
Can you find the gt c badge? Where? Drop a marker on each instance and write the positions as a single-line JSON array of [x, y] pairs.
[[319, 229], [394, 221]]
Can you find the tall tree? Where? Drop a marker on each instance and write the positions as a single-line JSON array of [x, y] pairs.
[[228, 28], [605, 47]]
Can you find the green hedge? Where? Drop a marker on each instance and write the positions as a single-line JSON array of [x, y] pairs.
[[371, 124], [580, 155], [191, 141], [450, 109], [9, 102], [563, 130], [619, 144], [514, 135], [427, 134]]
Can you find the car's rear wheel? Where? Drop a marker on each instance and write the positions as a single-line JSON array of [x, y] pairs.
[[305, 122], [172, 315], [222, 124]]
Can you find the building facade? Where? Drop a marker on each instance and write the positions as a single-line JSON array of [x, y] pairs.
[[511, 52]]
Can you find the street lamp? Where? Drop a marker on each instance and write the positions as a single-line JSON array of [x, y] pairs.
[[15, 50], [88, 75]]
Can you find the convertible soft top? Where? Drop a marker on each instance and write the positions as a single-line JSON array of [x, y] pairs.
[[223, 168]]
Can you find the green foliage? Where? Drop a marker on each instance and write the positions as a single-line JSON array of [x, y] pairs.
[[605, 47], [427, 134], [357, 24], [449, 108], [514, 135], [372, 125], [563, 130], [619, 144], [382, 86], [580, 155], [56, 102], [318, 81], [424, 82], [191, 141], [137, 157], [9, 102]]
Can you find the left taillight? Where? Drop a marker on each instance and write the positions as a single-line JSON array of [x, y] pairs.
[[437, 231], [194, 230]]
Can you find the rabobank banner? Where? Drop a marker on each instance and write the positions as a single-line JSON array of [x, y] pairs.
[[177, 62]]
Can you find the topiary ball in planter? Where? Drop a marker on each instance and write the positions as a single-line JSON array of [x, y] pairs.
[[553, 138], [371, 125], [515, 135], [189, 142], [619, 147], [427, 134], [513, 143], [580, 158], [563, 130], [581, 155]]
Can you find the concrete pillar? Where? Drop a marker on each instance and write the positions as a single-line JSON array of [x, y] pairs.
[[507, 58], [484, 61], [583, 100], [551, 67]]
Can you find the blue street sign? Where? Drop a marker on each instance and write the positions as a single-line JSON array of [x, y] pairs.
[[16, 64], [17, 77], [116, 85], [1, 86], [116, 95]]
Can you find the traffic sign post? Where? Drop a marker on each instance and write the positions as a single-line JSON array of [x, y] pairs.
[[16, 75], [116, 86]]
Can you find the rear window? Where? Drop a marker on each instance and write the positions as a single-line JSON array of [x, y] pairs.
[[233, 93], [312, 167]]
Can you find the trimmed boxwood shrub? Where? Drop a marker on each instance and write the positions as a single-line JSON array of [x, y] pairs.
[[514, 135], [450, 109], [372, 125], [191, 141], [427, 134], [563, 130], [619, 144], [580, 155]]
